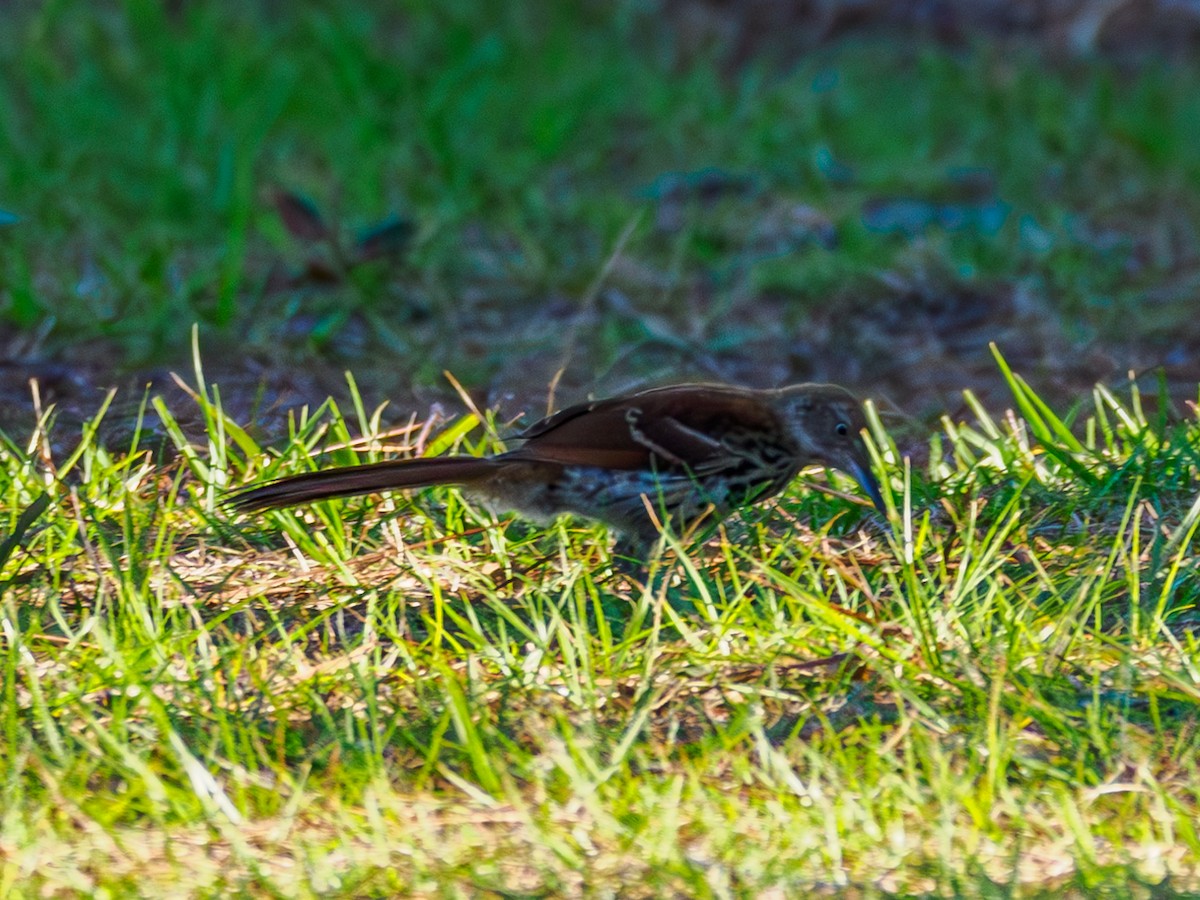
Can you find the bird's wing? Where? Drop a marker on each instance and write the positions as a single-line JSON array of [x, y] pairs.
[[684, 427]]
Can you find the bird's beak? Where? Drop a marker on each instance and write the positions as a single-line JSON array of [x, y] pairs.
[[860, 470]]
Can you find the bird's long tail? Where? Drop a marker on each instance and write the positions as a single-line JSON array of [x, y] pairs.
[[350, 481]]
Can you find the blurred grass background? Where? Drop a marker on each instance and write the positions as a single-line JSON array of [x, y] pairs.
[[627, 192]]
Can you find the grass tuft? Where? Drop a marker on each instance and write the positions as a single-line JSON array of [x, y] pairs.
[[997, 685]]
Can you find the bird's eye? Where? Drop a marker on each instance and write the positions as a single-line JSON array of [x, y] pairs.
[[842, 429]]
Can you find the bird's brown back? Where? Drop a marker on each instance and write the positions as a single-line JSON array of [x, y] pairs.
[[682, 426]]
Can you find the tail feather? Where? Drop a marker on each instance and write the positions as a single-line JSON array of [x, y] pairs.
[[350, 481]]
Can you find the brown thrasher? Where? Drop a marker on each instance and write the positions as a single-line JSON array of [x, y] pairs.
[[684, 451]]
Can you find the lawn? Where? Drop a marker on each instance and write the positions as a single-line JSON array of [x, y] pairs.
[[991, 691]]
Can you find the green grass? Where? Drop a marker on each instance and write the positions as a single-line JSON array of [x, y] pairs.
[[141, 150], [994, 691]]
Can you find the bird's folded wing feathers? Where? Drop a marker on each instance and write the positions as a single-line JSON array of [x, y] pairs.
[[668, 428]]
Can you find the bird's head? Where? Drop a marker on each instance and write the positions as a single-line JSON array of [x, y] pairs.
[[827, 421]]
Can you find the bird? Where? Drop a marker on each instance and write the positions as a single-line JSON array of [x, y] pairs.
[[684, 453]]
